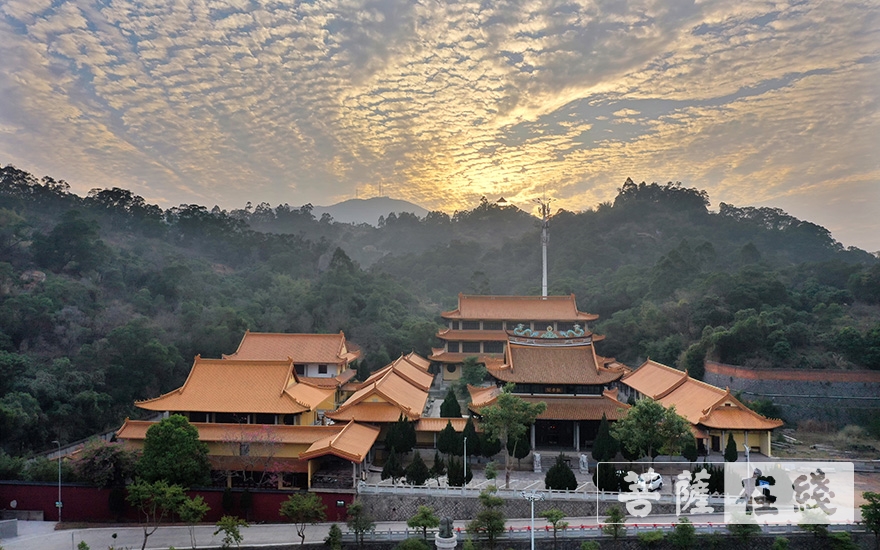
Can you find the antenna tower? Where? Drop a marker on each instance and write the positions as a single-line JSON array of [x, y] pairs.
[[544, 204]]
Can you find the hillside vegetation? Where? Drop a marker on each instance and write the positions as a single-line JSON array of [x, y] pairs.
[[105, 299]]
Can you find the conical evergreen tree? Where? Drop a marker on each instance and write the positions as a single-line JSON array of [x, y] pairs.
[[473, 440], [689, 451], [730, 452], [450, 408], [489, 446], [417, 472], [605, 447], [449, 441], [439, 467], [560, 477], [392, 469], [455, 473]]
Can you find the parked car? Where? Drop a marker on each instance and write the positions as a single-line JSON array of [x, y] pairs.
[[650, 481]]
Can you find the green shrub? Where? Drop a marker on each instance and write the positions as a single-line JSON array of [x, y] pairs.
[[414, 543], [651, 538], [560, 477]]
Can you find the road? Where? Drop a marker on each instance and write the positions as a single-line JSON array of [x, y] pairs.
[[43, 536]]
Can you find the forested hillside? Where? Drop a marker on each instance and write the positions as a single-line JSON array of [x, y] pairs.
[[105, 299]]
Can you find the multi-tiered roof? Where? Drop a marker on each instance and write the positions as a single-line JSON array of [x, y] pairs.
[[479, 326]]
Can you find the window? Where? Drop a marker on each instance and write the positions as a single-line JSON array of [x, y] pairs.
[[452, 347], [470, 325], [491, 325], [493, 347], [300, 369], [198, 417], [564, 326], [322, 369], [261, 418], [470, 347], [450, 368], [230, 418]]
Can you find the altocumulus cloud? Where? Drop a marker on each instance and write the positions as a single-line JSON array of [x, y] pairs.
[[440, 102]]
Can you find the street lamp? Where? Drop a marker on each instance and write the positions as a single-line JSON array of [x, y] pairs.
[[532, 497], [58, 504]]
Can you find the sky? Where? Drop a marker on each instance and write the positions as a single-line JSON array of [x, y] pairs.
[[439, 103]]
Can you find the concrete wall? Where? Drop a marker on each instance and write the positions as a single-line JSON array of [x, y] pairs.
[[839, 398], [83, 503], [391, 507]]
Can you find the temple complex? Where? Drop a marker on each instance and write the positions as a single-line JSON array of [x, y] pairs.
[[284, 410]]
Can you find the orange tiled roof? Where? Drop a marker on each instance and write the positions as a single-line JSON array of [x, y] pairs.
[[730, 414], [482, 395], [136, 430], [512, 308], [442, 356], [310, 396], [217, 385], [366, 412], [439, 424], [580, 407], [554, 365], [413, 374], [391, 388], [352, 443], [700, 403], [302, 348], [653, 378], [327, 382], [418, 360], [456, 335]]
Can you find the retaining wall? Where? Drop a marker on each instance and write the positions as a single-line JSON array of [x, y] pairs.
[[837, 397]]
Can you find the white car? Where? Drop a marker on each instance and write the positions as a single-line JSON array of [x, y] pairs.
[[650, 481]]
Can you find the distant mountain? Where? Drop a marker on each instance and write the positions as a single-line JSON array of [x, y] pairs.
[[368, 210]]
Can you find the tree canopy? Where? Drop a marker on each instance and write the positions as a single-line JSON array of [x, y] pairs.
[[174, 454], [649, 428], [104, 298], [507, 419], [303, 509]]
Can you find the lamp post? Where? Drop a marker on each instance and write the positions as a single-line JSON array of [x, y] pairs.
[[464, 479], [532, 497], [58, 504]]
